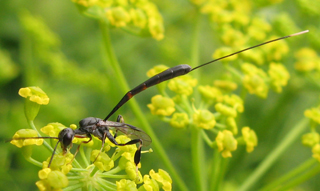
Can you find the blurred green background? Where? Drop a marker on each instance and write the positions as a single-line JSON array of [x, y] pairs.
[[85, 87]]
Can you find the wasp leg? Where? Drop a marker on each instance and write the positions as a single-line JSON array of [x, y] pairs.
[[85, 142], [120, 120]]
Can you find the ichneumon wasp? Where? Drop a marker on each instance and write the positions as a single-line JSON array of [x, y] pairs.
[[100, 128]]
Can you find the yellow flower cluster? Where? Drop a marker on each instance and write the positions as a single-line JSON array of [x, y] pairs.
[[179, 113], [139, 17]]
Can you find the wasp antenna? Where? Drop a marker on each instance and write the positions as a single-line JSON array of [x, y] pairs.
[[299, 33], [252, 47]]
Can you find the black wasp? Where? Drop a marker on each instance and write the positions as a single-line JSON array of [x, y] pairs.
[[100, 128]]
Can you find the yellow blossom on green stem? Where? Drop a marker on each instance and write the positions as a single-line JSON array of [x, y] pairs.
[[258, 29], [279, 76], [163, 178], [234, 101], [250, 138], [183, 85], [276, 51], [310, 139], [225, 85], [226, 143], [255, 56], [179, 120], [232, 125], [204, 119], [316, 152], [226, 110], [103, 162], [255, 80], [24, 142], [162, 106], [52, 180], [210, 93], [156, 70], [313, 114], [60, 162], [308, 60], [223, 51], [118, 16], [34, 94], [126, 185], [232, 37], [138, 17], [52, 129], [157, 180]]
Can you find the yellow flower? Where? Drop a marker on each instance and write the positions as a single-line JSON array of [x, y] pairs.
[[226, 110], [57, 179], [310, 139], [204, 119], [226, 143], [103, 162], [232, 125], [163, 178], [179, 120], [156, 70], [183, 85], [35, 94], [161, 106], [313, 114], [255, 80], [223, 51], [118, 16], [279, 76], [211, 93], [250, 138], [308, 60], [316, 152], [225, 85], [126, 185], [23, 133]]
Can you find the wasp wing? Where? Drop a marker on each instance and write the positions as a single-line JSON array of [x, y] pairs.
[[131, 131]]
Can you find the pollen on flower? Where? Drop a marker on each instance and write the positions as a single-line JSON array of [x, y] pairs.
[[124, 184], [250, 138], [310, 139], [279, 76], [24, 142], [226, 143], [162, 106], [183, 85], [118, 16], [255, 80], [179, 120], [313, 114], [103, 162], [156, 70], [204, 119], [35, 94], [43, 173]]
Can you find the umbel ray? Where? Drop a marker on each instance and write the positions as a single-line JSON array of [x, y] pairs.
[[100, 128]]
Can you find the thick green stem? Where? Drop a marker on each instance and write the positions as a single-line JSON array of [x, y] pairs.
[[274, 155], [293, 173], [198, 159], [135, 107]]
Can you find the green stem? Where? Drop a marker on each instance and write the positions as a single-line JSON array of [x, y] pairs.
[[34, 162], [304, 177], [290, 175], [198, 156], [135, 107], [274, 155], [216, 173]]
